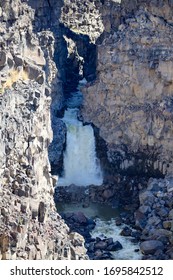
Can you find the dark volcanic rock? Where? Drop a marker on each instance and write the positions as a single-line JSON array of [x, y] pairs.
[[126, 231], [80, 218], [115, 246], [102, 245], [151, 246]]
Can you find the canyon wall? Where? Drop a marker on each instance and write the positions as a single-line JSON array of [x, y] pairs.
[[132, 95], [30, 227], [162, 8], [124, 50]]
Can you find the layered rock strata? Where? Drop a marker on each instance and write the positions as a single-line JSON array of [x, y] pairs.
[[132, 95]]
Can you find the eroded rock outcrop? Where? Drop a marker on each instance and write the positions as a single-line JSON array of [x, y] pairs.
[[83, 17]]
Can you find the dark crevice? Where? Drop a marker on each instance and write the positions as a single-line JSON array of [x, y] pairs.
[[68, 65], [83, 57], [48, 1]]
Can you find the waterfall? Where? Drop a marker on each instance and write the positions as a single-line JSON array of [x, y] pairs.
[[81, 166]]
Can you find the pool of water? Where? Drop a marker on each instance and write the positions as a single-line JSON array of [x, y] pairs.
[[94, 210]]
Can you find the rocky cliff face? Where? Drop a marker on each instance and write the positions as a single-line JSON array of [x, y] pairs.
[[45, 48], [30, 228], [161, 8], [83, 17], [132, 94]]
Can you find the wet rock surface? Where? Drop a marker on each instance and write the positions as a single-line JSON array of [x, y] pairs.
[[148, 221], [122, 191], [100, 248]]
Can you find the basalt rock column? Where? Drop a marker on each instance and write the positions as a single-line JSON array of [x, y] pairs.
[[132, 95], [30, 227]]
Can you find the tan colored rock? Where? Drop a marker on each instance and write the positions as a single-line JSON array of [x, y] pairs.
[[35, 56], [133, 92], [167, 225]]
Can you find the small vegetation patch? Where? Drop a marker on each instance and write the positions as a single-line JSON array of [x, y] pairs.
[[13, 76]]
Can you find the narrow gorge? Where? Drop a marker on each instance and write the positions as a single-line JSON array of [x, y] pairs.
[[86, 129]]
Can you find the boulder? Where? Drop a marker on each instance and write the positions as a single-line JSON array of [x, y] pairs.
[[141, 219], [80, 218], [154, 187], [98, 253], [145, 209], [153, 220], [108, 194], [3, 58], [101, 245], [162, 232], [169, 252], [162, 212], [151, 246], [115, 246], [118, 221], [146, 198], [18, 60], [136, 234], [171, 215], [126, 231], [109, 241], [167, 224]]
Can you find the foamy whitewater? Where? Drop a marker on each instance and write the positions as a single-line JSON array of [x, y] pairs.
[[81, 166], [109, 229]]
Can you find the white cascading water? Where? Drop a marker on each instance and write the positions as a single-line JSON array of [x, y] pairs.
[[81, 166], [106, 229]]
